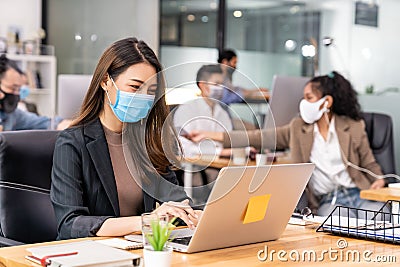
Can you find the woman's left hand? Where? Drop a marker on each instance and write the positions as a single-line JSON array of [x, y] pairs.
[[378, 184]]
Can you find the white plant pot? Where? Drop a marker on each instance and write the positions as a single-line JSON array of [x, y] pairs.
[[157, 258]]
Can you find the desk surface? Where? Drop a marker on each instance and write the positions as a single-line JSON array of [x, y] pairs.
[[295, 238], [381, 194], [218, 163], [258, 97]]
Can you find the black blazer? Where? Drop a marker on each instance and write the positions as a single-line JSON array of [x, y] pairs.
[[83, 189]]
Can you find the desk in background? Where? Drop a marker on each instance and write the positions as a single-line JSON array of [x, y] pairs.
[[190, 165], [258, 97], [297, 238], [382, 194]]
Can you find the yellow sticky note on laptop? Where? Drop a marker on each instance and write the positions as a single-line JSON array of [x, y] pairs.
[[256, 208]]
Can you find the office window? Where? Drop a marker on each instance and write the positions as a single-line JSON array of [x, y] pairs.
[[190, 23], [272, 37], [188, 31], [80, 30]]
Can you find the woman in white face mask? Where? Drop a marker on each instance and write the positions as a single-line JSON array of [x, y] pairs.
[[330, 132]]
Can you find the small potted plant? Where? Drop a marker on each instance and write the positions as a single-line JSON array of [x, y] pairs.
[[159, 254]]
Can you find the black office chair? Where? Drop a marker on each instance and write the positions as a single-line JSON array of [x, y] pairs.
[[26, 212], [379, 129]]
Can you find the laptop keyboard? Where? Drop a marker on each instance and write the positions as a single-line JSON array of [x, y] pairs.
[[182, 240], [182, 236]]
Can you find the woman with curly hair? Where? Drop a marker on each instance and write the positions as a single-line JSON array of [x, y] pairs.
[[330, 133]]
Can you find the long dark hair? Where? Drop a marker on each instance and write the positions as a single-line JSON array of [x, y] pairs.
[[115, 60], [345, 100]]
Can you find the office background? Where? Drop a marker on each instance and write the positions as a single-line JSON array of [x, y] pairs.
[[190, 30]]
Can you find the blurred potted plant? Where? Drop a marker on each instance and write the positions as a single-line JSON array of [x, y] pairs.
[[369, 89], [159, 254]]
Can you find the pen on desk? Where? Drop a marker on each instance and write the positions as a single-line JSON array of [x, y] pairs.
[[43, 261], [33, 259]]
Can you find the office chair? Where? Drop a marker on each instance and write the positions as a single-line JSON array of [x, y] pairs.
[[26, 212], [379, 129]]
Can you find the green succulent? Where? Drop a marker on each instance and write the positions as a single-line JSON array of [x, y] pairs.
[[160, 233]]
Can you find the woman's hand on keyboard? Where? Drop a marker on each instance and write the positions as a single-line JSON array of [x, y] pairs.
[[181, 210]]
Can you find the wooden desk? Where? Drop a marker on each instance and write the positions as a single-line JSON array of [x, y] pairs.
[[381, 194], [217, 163], [297, 238], [258, 97]]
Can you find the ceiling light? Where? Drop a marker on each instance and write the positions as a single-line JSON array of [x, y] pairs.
[[308, 50], [290, 45], [213, 5], [237, 14], [191, 17]]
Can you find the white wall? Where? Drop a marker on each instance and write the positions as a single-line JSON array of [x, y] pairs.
[[375, 51], [146, 20], [336, 21], [25, 14], [366, 55]]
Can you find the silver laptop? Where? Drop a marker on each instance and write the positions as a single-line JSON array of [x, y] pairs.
[[247, 204], [287, 92]]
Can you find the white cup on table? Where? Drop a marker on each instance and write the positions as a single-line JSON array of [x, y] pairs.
[[239, 156], [261, 159]]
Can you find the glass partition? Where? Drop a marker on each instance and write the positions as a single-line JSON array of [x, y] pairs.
[[268, 36], [80, 30]]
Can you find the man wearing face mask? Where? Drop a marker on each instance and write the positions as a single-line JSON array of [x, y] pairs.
[[24, 92], [330, 132], [12, 118], [204, 113], [234, 94]]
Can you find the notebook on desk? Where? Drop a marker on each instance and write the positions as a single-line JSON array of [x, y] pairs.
[[82, 254], [248, 204]]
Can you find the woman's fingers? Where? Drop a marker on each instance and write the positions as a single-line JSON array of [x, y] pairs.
[[176, 212], [183, 205]]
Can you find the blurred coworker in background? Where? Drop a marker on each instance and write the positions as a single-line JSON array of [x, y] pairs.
[[235, 94], [204, 113], [330, 132], [12, 118], [24, 92]]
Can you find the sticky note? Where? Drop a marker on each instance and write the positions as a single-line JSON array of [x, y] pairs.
[[256, 208]]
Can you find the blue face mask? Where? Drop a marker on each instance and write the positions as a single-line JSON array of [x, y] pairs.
[[24, 91], [131, 107]]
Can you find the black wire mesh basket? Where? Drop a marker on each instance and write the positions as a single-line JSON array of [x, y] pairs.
[[382, 225]]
